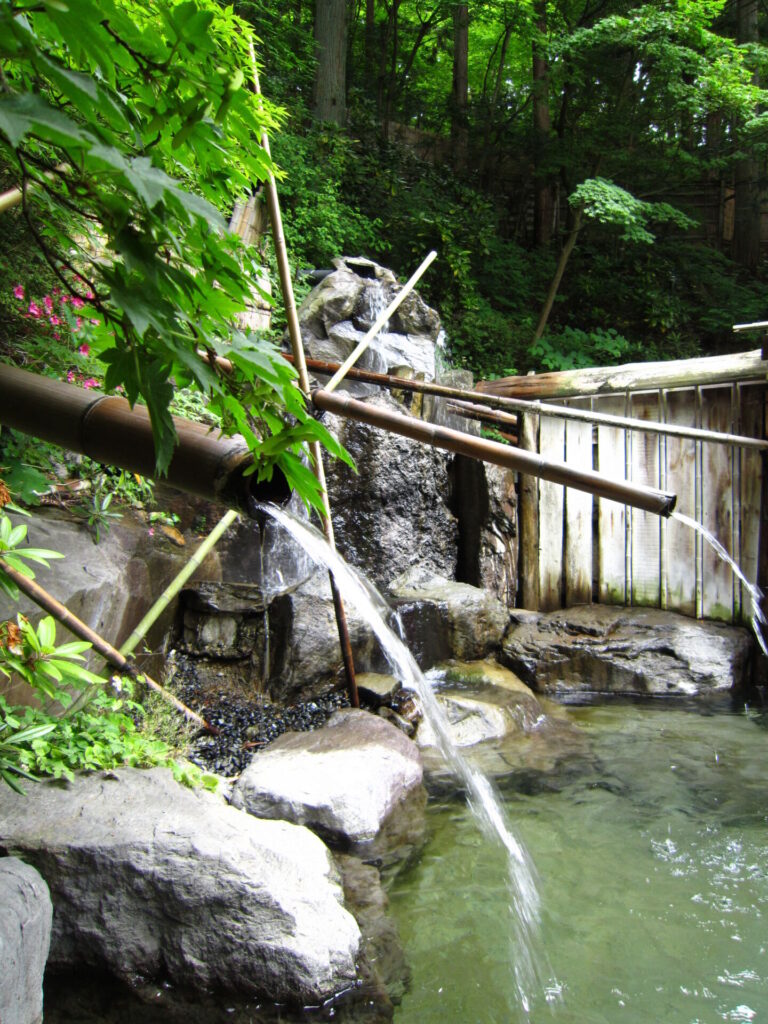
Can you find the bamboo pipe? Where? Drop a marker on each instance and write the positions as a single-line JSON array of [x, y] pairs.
[[108, 430], [650, 499], [297, 346], [379, 322], [63, 615]]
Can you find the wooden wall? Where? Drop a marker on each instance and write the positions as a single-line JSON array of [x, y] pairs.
[[576, 549]]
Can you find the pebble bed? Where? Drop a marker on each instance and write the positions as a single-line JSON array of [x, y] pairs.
[[245, 726]]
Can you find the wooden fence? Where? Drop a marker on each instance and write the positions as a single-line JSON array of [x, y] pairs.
[[576, 548]]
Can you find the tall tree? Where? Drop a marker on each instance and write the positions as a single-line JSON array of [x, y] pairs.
[[460, 90], [544, 203], [746, 227], [330, 92]]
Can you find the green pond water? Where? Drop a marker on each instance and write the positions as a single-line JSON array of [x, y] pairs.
[[652, 857]]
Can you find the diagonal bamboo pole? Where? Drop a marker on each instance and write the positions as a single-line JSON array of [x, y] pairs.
[[63, 615], [297, 346], [379, 322]]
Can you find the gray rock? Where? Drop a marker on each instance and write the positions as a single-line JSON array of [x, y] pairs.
[[343, 780], [600, 649], [443, 619], [392, 514], [25, 935], [149, 878]]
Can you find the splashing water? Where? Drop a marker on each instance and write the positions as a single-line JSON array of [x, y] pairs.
[[755, 593], [529, 971]]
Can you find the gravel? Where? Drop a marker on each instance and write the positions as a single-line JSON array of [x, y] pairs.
[[245, 726]]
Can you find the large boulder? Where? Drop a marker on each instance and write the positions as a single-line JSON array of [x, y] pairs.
[[393, 513], [149, 878], [344, 780], [443, 619], [25, 935], [601, 649]]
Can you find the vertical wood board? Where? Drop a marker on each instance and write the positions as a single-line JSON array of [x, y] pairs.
[[529, 518], [578, 513], [611, 516], [681, 480], [717, 505], [551, 517], [751, 402], [645, 537]]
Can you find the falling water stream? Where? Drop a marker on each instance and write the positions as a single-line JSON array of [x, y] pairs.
[[528, 961]]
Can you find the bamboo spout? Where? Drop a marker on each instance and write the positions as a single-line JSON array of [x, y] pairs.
[[108, 430], [647, 498]]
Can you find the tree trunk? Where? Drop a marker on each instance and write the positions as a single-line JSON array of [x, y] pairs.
[[746, 228], [543, 211], [370, 34], [460, 91], [565, 255], [329, 101]]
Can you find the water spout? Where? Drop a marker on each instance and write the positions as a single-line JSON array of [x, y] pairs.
[[528, 961], [754, 592]]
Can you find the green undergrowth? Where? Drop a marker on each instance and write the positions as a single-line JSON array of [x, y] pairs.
[[75, 719]]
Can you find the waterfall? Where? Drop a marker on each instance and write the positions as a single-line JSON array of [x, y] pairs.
[[528, 961]]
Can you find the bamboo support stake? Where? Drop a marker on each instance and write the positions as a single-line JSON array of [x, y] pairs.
[[297, 346], [63, 615], [178, 582], [379, 322]]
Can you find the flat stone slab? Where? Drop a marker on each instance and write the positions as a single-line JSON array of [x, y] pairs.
[[150, 878], [601, 649], [25, 934], [343, 780]]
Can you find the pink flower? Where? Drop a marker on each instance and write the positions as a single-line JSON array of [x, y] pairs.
[[57, 336], [90, 296], [64, 299], [78, 321], [48, 303], [18, 291], [54, 320], [95, 322], [151, 531], [34, 309], [70, 376], [90, 382], [77, 302], [84, 349]]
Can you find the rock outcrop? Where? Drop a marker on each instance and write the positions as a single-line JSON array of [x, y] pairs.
[[149, 878], [25, 935], [343, 781], [600, 649]]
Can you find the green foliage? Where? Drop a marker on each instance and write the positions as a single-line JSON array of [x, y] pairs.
[[131, 132], [572, 349], [98, 730], [607, 203]]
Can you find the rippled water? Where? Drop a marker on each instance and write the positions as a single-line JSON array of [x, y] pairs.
[[653, 868]]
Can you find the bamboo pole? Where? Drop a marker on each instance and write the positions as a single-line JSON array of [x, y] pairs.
[[297, 347], [63, 615], [178, 582], [647, 498], [379, 322]]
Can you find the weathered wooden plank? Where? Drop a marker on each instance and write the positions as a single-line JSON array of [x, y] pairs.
[[677, 373], [529, 519], [611, 517], [681, 480], [717, 507], [551, 513], [645, 531], [751, 401], [578, 514]]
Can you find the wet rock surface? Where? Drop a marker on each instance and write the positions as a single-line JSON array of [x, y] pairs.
[[25, 934], [633, 651], [343, 780], [152, 879]]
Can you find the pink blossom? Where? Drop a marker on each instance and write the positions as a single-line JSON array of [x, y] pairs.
[[90, 382], [57, 336], [77, 302], [95, 322], [84, 349], [90, 296], [70, 376], [48, 303], [54, 320], [151, 531], [18, 291], [34, 309], [78, 323], [64, 299]]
